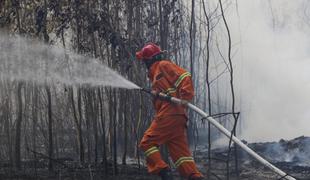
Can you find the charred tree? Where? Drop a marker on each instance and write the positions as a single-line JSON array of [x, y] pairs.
[[233, 111], [208, 85], [18, 127]]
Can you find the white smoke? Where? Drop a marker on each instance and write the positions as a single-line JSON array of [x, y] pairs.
[[272, 67]]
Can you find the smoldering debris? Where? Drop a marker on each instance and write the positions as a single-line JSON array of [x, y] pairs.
[[295, 151], [292, 156]]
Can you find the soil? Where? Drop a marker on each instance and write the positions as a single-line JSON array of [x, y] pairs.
[[295, 163]]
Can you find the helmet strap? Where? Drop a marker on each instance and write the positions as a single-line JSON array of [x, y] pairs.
[[149, 63]]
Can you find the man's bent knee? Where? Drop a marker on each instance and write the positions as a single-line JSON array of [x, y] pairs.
[[144, 145]]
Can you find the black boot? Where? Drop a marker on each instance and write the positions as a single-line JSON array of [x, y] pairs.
[[165, 174]]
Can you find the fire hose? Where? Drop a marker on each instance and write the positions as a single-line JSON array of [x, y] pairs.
[[227, 133]]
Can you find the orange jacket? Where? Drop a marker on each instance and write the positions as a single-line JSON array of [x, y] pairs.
[[171, 79]]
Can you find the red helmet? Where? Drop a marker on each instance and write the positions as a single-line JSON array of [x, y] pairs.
[[148, 51]]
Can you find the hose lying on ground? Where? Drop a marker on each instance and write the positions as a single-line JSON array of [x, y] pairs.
[[224, 131]]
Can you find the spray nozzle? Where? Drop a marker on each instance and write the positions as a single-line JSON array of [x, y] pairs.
[[146, 90], [152, 92], [159, 95]]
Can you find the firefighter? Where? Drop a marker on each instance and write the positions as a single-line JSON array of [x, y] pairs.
[[169, 124]]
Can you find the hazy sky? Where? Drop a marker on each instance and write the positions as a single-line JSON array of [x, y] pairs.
[[272, 67]]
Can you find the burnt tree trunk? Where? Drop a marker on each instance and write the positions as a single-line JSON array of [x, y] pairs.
[[78, 124], [102, 117], [208, 85], [124, 114], [50, 129], [18, 127]]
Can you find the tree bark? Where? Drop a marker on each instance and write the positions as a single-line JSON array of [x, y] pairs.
[[235, 116], [18, 127], [124, 114], [50, 129], [208, 86], [78, 125], [102, 117]]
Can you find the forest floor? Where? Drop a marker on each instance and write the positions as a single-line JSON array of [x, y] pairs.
[[291, 156], [253, 171]]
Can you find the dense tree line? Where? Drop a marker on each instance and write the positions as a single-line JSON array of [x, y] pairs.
[[98, 124]]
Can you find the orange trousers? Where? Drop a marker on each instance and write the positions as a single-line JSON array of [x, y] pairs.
[[170, 130]]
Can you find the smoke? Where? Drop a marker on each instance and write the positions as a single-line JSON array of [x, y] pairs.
[[272, 67], [24, 59], [295, 151]]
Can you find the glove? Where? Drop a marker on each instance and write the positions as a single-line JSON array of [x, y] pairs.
[[155, 93]]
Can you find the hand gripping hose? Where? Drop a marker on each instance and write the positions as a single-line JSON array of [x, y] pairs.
[[223, 130]]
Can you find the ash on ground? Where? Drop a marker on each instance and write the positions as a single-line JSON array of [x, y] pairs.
[[291, 156]]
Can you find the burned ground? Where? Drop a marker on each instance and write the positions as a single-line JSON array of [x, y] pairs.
[[291, 156]]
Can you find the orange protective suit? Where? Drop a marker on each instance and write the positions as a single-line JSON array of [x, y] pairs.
[[169, 124]]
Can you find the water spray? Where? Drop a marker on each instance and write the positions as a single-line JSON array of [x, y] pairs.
[[227, 133], [24, 60], [28, 60]]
